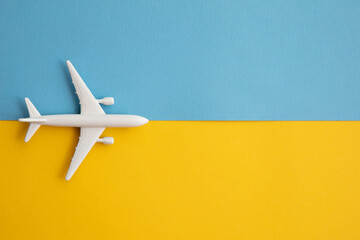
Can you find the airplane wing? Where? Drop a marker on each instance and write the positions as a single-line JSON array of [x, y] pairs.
[[88, 103], [88, 137]]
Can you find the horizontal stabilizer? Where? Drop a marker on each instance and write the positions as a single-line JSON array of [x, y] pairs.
[[33, 127], [31, 108]]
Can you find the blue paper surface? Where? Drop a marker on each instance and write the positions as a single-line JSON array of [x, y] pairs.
[[184, 60]]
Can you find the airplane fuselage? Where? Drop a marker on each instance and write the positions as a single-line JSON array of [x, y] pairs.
[[89, 120]]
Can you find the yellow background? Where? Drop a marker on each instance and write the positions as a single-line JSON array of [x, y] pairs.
[[184, 180]]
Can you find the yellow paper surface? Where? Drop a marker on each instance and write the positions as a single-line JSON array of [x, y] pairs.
[[184, 180]]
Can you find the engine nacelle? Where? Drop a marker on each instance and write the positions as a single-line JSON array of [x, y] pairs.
[[106, 140], [106, 101]]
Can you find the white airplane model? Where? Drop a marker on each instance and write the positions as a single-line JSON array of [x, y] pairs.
[[92, 120]]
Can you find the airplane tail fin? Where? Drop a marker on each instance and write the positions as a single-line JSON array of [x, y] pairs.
[[34, 120]]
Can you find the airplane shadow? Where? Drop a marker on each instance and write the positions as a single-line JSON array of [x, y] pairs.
[[21, 131], [22, 106]]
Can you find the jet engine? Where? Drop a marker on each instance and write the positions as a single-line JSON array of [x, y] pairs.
[[106, 101], [106, 140]]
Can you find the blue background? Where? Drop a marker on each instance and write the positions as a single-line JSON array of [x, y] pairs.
[[184, 60]]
